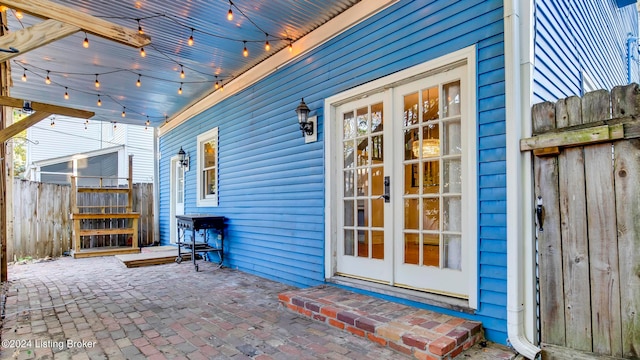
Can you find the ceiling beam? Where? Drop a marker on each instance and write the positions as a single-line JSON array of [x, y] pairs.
[[91, 24], [33, 37], [53, 109], [15, 128]]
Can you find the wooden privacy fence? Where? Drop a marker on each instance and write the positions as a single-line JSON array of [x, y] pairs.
[[41, 224], [587, 177]]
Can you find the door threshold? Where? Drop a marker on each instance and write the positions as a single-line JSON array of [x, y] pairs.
[[446, 302]]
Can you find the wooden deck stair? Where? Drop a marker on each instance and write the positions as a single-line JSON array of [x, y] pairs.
[[116, 219]]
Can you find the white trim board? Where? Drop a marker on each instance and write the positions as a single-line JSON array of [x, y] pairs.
[[347, 19]]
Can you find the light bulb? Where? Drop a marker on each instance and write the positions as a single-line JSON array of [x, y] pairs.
[[24, 75], [140, 31], [180, 89], [85, 127], [230, 14], [47, 80], [267, 46], [245, 52], [85, 43], [190, 41], [19, 14], [290, 46], [53, 122], [97, 81], [148, 122], [124, 113], [217, 85], [138, 83], [99, 101], [142, 52], [66, 94], [115, 125]]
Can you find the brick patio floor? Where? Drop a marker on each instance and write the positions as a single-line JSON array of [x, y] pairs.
[[96, 308]]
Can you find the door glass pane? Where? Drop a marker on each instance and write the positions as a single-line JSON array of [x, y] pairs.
[[363, 216], [377, 212], [348, 213], [348, 125], [377, 181], [410, 109], [348, 183], [452, 176], [452, 213], [411, 214], [363, 182], [431, 247], [411, 144], [452, 138], [348, 242], [362, 120], [430, 141], [452, 252], [348, 154], [431, 182], [377, 153], [376, 118], [411, 178], [430, 104], [452, 99], [363, 243], [411, 248], [431, 214], [377, 245], [363, 151]]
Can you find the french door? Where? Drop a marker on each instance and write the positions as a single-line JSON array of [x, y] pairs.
[[401, 197]]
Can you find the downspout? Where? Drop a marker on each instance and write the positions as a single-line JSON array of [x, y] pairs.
[[518, 49], [631, 55]]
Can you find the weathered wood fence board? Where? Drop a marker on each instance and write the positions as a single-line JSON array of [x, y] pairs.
[[589, 249], [41, 217]]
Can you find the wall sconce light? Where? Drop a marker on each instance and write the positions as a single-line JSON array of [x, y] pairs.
[[183, 159], [308, 125]]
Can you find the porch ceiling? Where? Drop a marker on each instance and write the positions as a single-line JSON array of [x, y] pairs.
[[216, 54]]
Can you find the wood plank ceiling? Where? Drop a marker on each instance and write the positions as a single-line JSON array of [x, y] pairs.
[[216, 54]]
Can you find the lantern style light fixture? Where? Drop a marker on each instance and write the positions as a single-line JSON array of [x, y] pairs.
[[308, 124], [183, 159]]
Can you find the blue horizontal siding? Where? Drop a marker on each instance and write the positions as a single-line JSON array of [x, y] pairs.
[[572, 37], [271, 184]]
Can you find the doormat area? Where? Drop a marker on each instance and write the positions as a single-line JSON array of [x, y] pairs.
[[418, 333]]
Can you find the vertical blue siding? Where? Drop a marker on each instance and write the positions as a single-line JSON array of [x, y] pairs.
[[572, 37], [271, 184]]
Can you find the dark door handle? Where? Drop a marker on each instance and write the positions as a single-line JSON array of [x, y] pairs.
[[387, 185]]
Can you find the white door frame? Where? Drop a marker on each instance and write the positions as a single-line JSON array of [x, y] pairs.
[[173, 211], [452, 60]]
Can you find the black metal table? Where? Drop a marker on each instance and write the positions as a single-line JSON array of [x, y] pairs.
[[195, 223]]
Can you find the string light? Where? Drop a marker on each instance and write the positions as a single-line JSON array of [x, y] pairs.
[[190, 41], [53, 122], [140, 31], [85, 126], [180, 89], [97, 82], [115, 125], [47, 80], [217, 85], [230, 13], [146, 124], [245, 52], [19, 14], [181, 72], [99, 101], [142, 52], [290, 46], [24, 75], [138, 83], [66, 93], [124, 111], [85, 42], [267, 46]]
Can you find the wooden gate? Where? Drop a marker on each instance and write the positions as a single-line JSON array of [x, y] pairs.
[[587, 181]]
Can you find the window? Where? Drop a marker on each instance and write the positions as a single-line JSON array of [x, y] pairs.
[[208, 168]]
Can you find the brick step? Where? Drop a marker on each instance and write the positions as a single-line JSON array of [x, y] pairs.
[[420, 333]]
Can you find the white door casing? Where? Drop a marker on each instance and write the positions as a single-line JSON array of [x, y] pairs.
[[177, 196]]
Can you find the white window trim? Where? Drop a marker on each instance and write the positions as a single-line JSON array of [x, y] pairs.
[[208, 201], [440, 64]]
